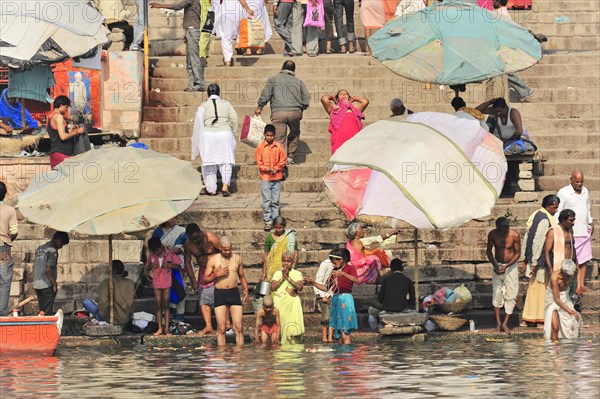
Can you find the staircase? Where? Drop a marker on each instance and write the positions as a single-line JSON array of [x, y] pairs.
[[563, 118]]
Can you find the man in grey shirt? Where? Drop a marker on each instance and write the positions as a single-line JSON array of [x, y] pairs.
[[44, 271], [289, 97], [191, 25]]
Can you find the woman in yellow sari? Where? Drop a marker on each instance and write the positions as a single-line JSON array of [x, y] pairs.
[[285, 286], [281, 240]]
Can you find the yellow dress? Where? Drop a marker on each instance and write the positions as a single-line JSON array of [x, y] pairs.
[[290, 308]]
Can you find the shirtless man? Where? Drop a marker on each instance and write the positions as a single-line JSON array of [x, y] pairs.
[[561, 233], [199, 246], [506, 244], [224, 269]]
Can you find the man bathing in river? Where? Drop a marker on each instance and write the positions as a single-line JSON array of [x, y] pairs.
[[506, 245], [224, 269], [199, 246], [559, 241]]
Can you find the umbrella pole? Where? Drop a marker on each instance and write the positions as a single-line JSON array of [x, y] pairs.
[[23, 113], [416, 248], [111, 291], [146, 93]]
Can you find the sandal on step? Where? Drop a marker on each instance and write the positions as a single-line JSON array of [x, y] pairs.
[[226, 193]]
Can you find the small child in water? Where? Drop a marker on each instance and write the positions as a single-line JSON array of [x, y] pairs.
[[267, 321]]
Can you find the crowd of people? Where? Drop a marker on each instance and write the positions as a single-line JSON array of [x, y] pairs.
[[555, 257]]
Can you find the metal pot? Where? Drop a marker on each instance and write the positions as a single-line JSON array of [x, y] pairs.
[[263, 288]]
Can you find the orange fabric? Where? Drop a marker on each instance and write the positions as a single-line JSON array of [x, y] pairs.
[[270, 156], [252, 34], [390, 8], [385, 262]]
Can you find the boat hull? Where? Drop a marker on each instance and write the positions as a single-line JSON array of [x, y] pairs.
[[30, 335]]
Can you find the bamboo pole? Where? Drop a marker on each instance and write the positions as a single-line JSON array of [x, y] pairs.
[[111, 291], [416, 247], [146, 92]]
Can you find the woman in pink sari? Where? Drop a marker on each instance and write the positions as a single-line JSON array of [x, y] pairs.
[[345, 118]]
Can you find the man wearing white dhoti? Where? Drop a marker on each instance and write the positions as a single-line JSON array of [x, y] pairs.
[[561, 320], [577, 198], [229, 13], [213, 139]]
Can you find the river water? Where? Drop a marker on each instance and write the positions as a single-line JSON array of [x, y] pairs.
[[393, 369]]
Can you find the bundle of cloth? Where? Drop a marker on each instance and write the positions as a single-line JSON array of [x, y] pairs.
[[447, 295]]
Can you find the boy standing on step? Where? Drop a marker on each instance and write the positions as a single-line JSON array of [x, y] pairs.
[[270, 160]]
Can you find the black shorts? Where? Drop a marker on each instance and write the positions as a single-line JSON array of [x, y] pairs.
[[227, 297]]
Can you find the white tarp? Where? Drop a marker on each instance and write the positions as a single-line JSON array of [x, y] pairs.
[[44, 32]]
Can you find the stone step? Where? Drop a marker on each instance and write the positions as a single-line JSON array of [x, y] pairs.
[[317, 149], [573, 43], [540, 127], [275, 45], [226, 74], [311, 210], [577, 140], [79, 251], [553, 29], [531, 18], [565, 166], [555, 183], [583, 153], [181, 148], [550, 29], [328, 85], [565, 6], [553, 58], [415, 93], [376, 112], [361, 70]]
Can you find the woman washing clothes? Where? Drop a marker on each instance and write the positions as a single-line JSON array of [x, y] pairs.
[[342, 318], [345, 118]]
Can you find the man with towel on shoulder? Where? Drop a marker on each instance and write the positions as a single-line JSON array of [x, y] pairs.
[[559, 244], [534, 263], [576, 197]]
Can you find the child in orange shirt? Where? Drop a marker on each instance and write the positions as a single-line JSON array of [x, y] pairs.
[[270, 160]]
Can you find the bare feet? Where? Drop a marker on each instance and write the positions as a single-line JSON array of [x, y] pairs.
[[343, 49], [206, 330], [159, 332], [499, 328], [505, 328]]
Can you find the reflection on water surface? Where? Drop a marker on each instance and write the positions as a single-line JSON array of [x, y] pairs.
[[441, 369]]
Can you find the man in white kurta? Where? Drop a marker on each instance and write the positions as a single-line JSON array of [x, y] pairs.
[[577, 198]]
